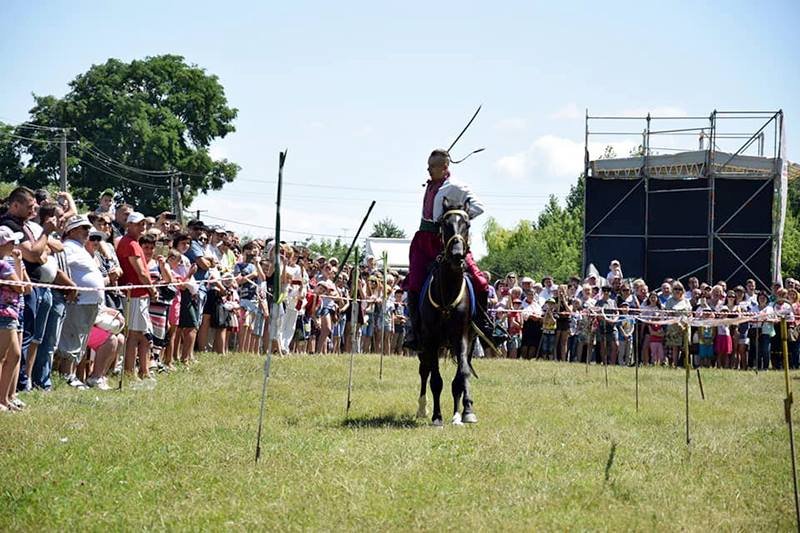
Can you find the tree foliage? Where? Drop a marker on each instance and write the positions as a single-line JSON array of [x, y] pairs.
[[327, 247], [159, 114], [551, 245], [790, 246], [387, 229]]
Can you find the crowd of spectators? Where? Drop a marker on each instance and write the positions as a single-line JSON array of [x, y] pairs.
[[621, 321], [115, 291]]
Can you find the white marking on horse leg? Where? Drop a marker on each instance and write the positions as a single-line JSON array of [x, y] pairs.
[[471, 418], [422, 407], [438, 423], [457, 419]]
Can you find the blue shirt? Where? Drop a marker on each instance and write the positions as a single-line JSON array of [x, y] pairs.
[[195, 252], [247, 290]]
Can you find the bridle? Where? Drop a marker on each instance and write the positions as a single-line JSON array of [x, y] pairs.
[[447, 308], [456, 236]]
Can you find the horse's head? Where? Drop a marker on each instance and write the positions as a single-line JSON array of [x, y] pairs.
[[454, 227]]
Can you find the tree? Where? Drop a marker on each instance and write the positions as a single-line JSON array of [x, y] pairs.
[[326, 247], [551, 246], [790, 246], [131, 125], [387, 229]]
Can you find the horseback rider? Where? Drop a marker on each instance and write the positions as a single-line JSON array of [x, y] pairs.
[[427, 244]]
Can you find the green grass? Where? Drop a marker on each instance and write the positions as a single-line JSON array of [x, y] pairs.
[[554, 449]]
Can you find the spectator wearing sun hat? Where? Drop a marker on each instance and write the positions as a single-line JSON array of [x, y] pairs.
[[80, 314]]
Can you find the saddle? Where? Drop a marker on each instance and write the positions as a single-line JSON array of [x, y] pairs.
[[426, 287]]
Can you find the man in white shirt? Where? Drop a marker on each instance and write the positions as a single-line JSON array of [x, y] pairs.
[[427, 244], [79, 315]]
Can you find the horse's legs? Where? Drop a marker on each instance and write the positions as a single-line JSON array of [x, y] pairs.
[[436, 387], [461, 392], [422, 404]]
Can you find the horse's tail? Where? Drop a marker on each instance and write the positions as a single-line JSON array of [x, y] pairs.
[[469, 357]]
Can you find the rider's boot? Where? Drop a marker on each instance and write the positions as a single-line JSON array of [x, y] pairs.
[[411, 341], [485, 325]]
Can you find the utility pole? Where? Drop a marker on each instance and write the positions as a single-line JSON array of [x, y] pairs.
[[172, 194], [179, 201], [63, 159]]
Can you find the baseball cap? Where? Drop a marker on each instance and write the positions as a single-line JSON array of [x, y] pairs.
[[97, 233], [135, 217], [6, 235], [77, 221]]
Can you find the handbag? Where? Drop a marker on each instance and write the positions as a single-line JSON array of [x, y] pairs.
[[110, 320], [793, 333], [219, 319]]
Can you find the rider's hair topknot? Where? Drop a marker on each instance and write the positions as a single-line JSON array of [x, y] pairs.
[[440, 153]]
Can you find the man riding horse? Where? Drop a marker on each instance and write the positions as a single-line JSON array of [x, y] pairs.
[[427, 245]]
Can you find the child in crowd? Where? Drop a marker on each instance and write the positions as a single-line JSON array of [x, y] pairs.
[[11, 302], [705, 340], [514, 328], [723, 342], [626, 324], [575, 327], [548, 342], [656, 343]]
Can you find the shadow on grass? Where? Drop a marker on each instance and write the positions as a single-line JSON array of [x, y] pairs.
[[393, 420]]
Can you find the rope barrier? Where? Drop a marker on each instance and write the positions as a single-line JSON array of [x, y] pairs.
[[663, 317]]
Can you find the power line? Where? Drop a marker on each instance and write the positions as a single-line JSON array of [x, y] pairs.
[[375, 189], [33, 126], [33, 139], [124, 178], [313, 234], [94, 151], [338, 199]]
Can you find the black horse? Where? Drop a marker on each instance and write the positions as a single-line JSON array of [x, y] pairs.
[[446, 320]]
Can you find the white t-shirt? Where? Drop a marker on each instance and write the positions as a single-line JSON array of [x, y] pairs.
[[84, 272]]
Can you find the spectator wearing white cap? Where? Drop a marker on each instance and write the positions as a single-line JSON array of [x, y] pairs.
[[11, 269], [79, 314], [134, 272], [372, 269], [614, 271]]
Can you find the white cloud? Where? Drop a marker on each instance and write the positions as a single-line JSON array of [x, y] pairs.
[[512, 124], [514, 166], [568, 112], [556, 157]]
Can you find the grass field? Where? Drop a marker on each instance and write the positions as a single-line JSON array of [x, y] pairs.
[[554, 449]]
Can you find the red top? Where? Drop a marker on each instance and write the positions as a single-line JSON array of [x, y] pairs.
[[128, 247], [430, 195]]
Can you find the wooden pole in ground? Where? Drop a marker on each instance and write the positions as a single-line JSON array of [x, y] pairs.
[[126, 332], [636, 362], [276, 293], [385, 259], [787, 412], [355, 337], [686, 365]]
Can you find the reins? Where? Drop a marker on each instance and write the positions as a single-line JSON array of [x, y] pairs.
[[446, 308]]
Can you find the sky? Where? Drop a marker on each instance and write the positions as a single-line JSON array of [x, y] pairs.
[[361, 92]]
